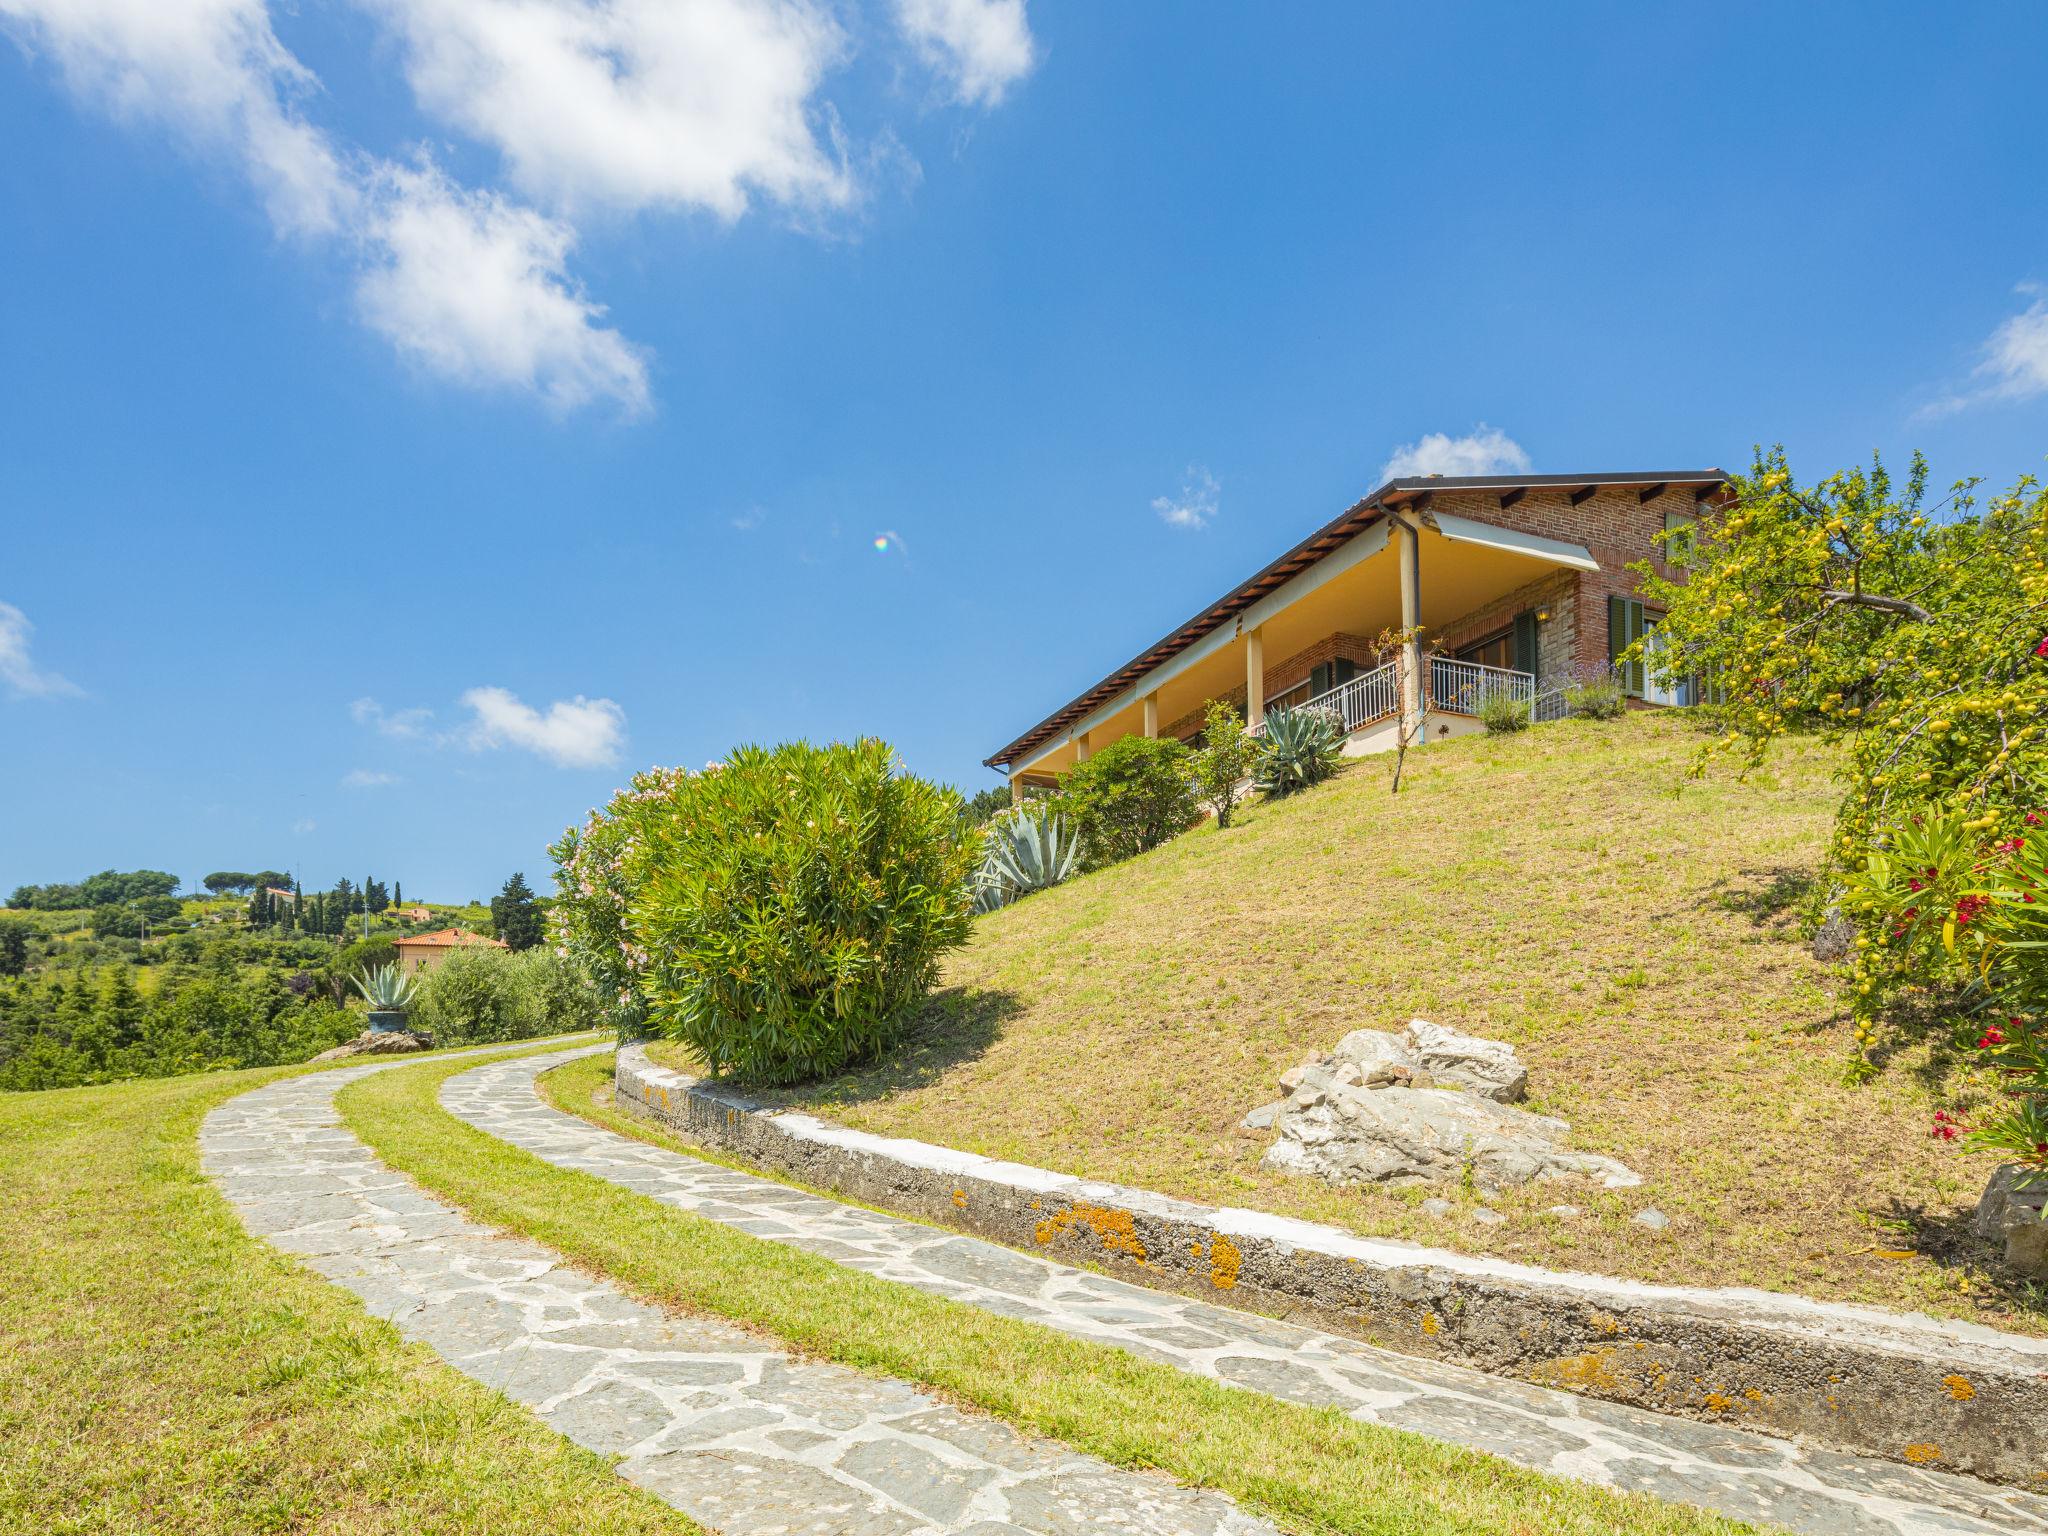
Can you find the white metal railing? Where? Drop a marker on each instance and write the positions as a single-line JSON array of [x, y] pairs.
[[1367, 697], [1457, 687], [1461, 687]]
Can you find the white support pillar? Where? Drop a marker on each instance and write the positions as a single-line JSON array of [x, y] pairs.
[[1081, 747], [1411, 620], [1016, 789], [1254, 677], [1151, 714]]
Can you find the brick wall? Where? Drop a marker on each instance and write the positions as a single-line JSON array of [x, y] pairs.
[[1556, 593], [1615, 526]]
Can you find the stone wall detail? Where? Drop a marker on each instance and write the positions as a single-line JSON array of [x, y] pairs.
[[1912, 1389]]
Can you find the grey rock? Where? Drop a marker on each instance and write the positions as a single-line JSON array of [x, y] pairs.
[[1436, 1206], [1652, 1218], [380, 1042], [1262, 1118], [1423, 1136], [1488, 1068], [2013, 1211], [1833, 939], [1564, 1212], [1486, 1216]]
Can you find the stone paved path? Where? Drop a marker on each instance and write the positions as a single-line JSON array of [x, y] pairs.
[[714, 1420], [1747, 1475]]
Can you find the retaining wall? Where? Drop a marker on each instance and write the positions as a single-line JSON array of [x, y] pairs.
[[1937, 1394]]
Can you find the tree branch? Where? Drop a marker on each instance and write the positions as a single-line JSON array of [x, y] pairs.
[[1898, 605]]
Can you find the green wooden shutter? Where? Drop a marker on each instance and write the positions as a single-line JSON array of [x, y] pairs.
[[1525, 642], [1624, 628]]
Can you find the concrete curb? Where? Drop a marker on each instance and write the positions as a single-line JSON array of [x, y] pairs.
[[1955, 1396]]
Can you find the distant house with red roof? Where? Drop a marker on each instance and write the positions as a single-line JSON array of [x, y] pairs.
[[426, 951]]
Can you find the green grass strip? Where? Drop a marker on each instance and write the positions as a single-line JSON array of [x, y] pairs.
[[1312, 1469], [162, 1371]]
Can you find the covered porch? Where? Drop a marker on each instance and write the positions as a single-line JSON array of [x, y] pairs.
[[1405, 628]]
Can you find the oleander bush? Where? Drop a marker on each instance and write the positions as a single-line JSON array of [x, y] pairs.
[[1130, 797], [777, 913]]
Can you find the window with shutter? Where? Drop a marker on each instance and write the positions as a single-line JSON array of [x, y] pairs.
[[1625, 626]]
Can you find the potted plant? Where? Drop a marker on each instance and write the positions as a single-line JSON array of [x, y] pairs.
[[387, 990]]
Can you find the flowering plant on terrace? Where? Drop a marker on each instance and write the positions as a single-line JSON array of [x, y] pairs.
[[1965, 916]]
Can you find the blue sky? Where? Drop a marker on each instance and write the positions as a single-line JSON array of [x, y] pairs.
[[411, 425]]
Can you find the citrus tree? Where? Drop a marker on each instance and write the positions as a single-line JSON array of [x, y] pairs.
[[1915, 634]]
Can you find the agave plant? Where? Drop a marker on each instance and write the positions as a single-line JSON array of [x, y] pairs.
[[1298, 747], [386, 988], [1026, 850]]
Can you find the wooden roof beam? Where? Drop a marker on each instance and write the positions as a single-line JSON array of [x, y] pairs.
[[1583, 495]]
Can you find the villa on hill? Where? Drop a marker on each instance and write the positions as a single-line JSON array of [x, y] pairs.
[[1511, 585], [426, 951]]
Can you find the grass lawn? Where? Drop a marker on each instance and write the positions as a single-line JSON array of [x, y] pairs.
[[1567, 889], [1312, 1469], [162, 1371]]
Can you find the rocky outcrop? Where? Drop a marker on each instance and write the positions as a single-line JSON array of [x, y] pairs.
[[380, 1042], [2015, 1216], [1427, 1106]]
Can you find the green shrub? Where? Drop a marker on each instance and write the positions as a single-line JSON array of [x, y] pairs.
[[1502, 713], [1595, 698], [479, 996], [1131, 796], [778, 913], [1224, 761], [1299, 748]]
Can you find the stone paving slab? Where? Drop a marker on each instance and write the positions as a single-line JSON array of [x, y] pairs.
[[1737, 1472], [716, 1421]]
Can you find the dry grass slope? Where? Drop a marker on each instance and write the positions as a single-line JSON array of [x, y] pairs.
[[1634, 932]]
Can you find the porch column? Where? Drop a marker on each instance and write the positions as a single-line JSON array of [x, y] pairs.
[[1081, 747], [1016, 789], [1151, 714], [1411, 617], [1254, 677]]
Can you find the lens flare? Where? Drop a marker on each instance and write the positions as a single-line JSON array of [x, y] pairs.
[[881, 543]]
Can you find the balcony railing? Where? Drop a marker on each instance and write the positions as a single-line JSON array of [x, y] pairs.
[[1457, 687], [1463, 687]]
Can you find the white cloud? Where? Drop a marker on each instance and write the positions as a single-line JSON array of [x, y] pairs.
[[748, 520], [2014, 364], [305, 825], [573, 733], [404, 724], [635, 104], [1485, 451], [475, 288], [24, 679], [213, 72], [367, 778], [979, 47], [1196, 505]]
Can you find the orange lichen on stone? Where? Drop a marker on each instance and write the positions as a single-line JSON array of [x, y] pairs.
[[1715, 1402], [1118, 1232], [1605, 1323], [960, 1198], [1591, 1372], [1430, 1325], [1959, 1388], [1921, 1452], [1753, 1394], [1224, 1260]]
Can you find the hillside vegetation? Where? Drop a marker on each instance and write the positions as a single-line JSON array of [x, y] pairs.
[[1635, 934]]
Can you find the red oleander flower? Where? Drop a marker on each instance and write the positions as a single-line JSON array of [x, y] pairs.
[[1946, 1126], [2042, 648], [1968, 907], [1915, 885], [1992, 1036]]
